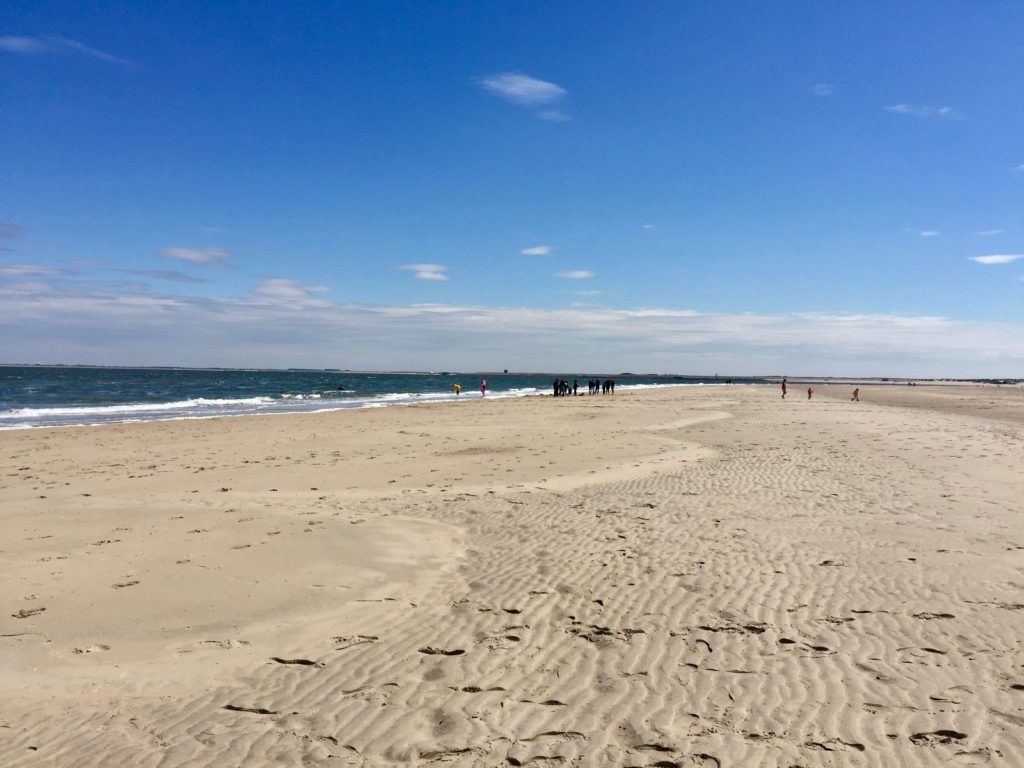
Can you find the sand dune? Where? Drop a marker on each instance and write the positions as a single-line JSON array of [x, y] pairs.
[[688, 577]]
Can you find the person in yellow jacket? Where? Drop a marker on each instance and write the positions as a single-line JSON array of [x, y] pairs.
[[456, 388]]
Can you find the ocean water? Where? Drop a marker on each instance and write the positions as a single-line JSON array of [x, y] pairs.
[[55, 396]]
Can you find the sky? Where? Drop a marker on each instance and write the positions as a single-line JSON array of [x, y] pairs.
[[799, 188]]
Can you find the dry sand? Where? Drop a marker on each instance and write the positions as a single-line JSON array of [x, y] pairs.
[[702, 576]]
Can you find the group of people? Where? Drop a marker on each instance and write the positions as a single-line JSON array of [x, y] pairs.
[[562, 387], [810, 391]]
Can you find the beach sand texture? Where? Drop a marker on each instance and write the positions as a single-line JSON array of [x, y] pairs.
[[699, 576]]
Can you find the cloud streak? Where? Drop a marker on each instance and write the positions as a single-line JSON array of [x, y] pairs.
[[998, 258], [57, 45], [427, 271], [530, 92], [522, 89], [925, 112], [575, 274], [169, 275], [537, 250], [203, 257], [24, 270]]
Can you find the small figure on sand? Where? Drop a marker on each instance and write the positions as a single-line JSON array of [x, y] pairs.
[[785, 384], [483, 387], [856, 395], [810, 393], [457, 389]]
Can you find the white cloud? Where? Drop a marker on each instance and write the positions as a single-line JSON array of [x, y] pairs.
[[648, 226], [575, 274], [588, 293], [537, 250], [285, 326], [24, 270], [522, 89], [279, 288], [989, 232], [929, 233], [163, 274], [823, 89], [937, 112], [56, 45], [998, 258], [427, 271], [204, 257]]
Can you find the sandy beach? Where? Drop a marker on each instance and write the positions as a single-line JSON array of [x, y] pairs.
[[694, 576]]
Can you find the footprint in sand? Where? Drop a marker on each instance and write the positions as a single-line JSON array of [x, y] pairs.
[[25, 613], [97, 648]]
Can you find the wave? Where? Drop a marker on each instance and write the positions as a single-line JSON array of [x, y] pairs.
[[132, 408]]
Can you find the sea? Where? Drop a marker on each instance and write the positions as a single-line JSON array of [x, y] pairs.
[[60, 396]]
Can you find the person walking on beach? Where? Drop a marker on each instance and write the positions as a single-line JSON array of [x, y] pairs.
[[784, 385], [856, 395], [809, 393], [456, 388], [483, 387]]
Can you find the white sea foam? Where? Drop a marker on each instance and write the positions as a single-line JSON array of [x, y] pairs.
[[134, 408], [204, 408]]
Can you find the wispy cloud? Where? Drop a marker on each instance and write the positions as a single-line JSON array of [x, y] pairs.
[[575, 274], [57, 45], [526, 91], [588, 293], [522, 89], [989, 232], [26, 270], [171, 276], [537, 250], [282, 289], [924, 232], [926, 112], [10, 231], [203, 257], [427, 271], [998, 258], [1020, 167], [823, 89], [648, 226]]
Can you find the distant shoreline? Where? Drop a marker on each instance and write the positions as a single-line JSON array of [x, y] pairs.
[[772, 378]]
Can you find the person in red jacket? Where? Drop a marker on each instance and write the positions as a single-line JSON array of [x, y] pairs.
[[784, 385]]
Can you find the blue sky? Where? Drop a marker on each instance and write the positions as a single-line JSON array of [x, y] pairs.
[[769, 187]]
